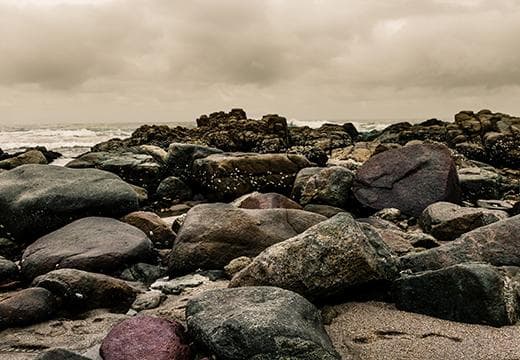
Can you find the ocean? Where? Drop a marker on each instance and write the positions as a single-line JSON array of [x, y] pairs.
[[72, 140]]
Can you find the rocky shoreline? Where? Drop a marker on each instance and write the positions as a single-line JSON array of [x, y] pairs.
[[255, 239]]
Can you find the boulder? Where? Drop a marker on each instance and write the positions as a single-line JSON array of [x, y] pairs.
[[25, 307], [180, 158], [142, 272], [9, 272], [37, 199], [301, 180], [470, 293], [146, 338], [81, 290], [237, 265], [214, 234], [409, 178], [479, 183], [447, 221], [325, 210], [152, 225], [9, 249], [173, 189], [258, 323], [330, 186], [60, 354], [29, 157], [497, 244], [324, 261], [258, 200], [230, 175], [92, 244]]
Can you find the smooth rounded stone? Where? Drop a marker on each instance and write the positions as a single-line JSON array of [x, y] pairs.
[[224, 177], [81, 290], [258, 323], [447, 221], [479, 183], [173, 189], [257, 200], [180, 158], [25, 307], [409, 179], [470, 293], [37, 199], [325, 210], [142, 272], [324, 261], [9, 272], [148, 300], [60, 354], [152, 225], [146, 338], [92, 244], [331, 186], [497, 244], [214, 234], [237, 265], [29, 157], [131, 165]]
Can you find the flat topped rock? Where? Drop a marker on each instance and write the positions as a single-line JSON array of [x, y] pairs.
[[92, 244], [37, 199]]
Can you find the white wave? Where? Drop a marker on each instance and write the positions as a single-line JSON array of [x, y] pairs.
[[361, 126]]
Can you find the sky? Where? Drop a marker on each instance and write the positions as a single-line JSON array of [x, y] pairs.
[[172, 60]]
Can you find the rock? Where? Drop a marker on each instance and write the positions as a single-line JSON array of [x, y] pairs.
[[177, 285], [37, 199], [29, 157], [447, 221], [230, 175], [237, 265], [214, 234], [496, 205], [27, 307], [479, 183], [81, 290], [180, 158], [330, 186], [389, 214], [145, 273], [258, 323], [8, 272], [410, 179], [148, 300], [497, 244], [325, 210], [173, 189], [146, 338], [136, 168], [92, 244], [152, 225], [326, 260], [471, 293], [60, 354], [257, 200], [9, 249]]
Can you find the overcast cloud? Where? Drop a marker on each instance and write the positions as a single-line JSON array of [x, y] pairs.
[[170, 60]]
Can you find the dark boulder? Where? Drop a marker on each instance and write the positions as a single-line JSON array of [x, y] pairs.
[[330, 186], [26, 307]]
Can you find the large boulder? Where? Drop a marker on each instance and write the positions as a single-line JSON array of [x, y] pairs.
[[81, 290], [230, 175], [173, 189], [324, 261], [330, 186], [471, 293], [146, 338], [214, 234], [258, 200], [27, 307], [9, 272], [497, 244], [258, 323], [29, 157], [180, 158], [447, 221], [37, 199], [92, 244], [409, 178]]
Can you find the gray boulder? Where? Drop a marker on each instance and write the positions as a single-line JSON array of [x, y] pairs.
[[214, 234], [29, 157], [258, 323], [180, 158], [324, 261], [92, 244], [257, 200], [9, 272], [173, 189], [330, 186], [37, 199]]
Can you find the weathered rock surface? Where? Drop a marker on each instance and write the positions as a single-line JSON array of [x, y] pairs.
[[173, 189], [258, 323], [230, 175], [37, 199], [325, 210], [214, 234], [447, 221], [180, 158], [153, 226], [472, 293], [330, 186], [497, 244], [29, 157], [9, 272], [92, 244], [146, 338], [26, 307], [326, 260], [479, 183], [410, 179], [60, 354], [258, 200], [81, 290]]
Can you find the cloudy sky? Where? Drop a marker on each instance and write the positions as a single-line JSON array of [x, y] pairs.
[[172, 60]]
